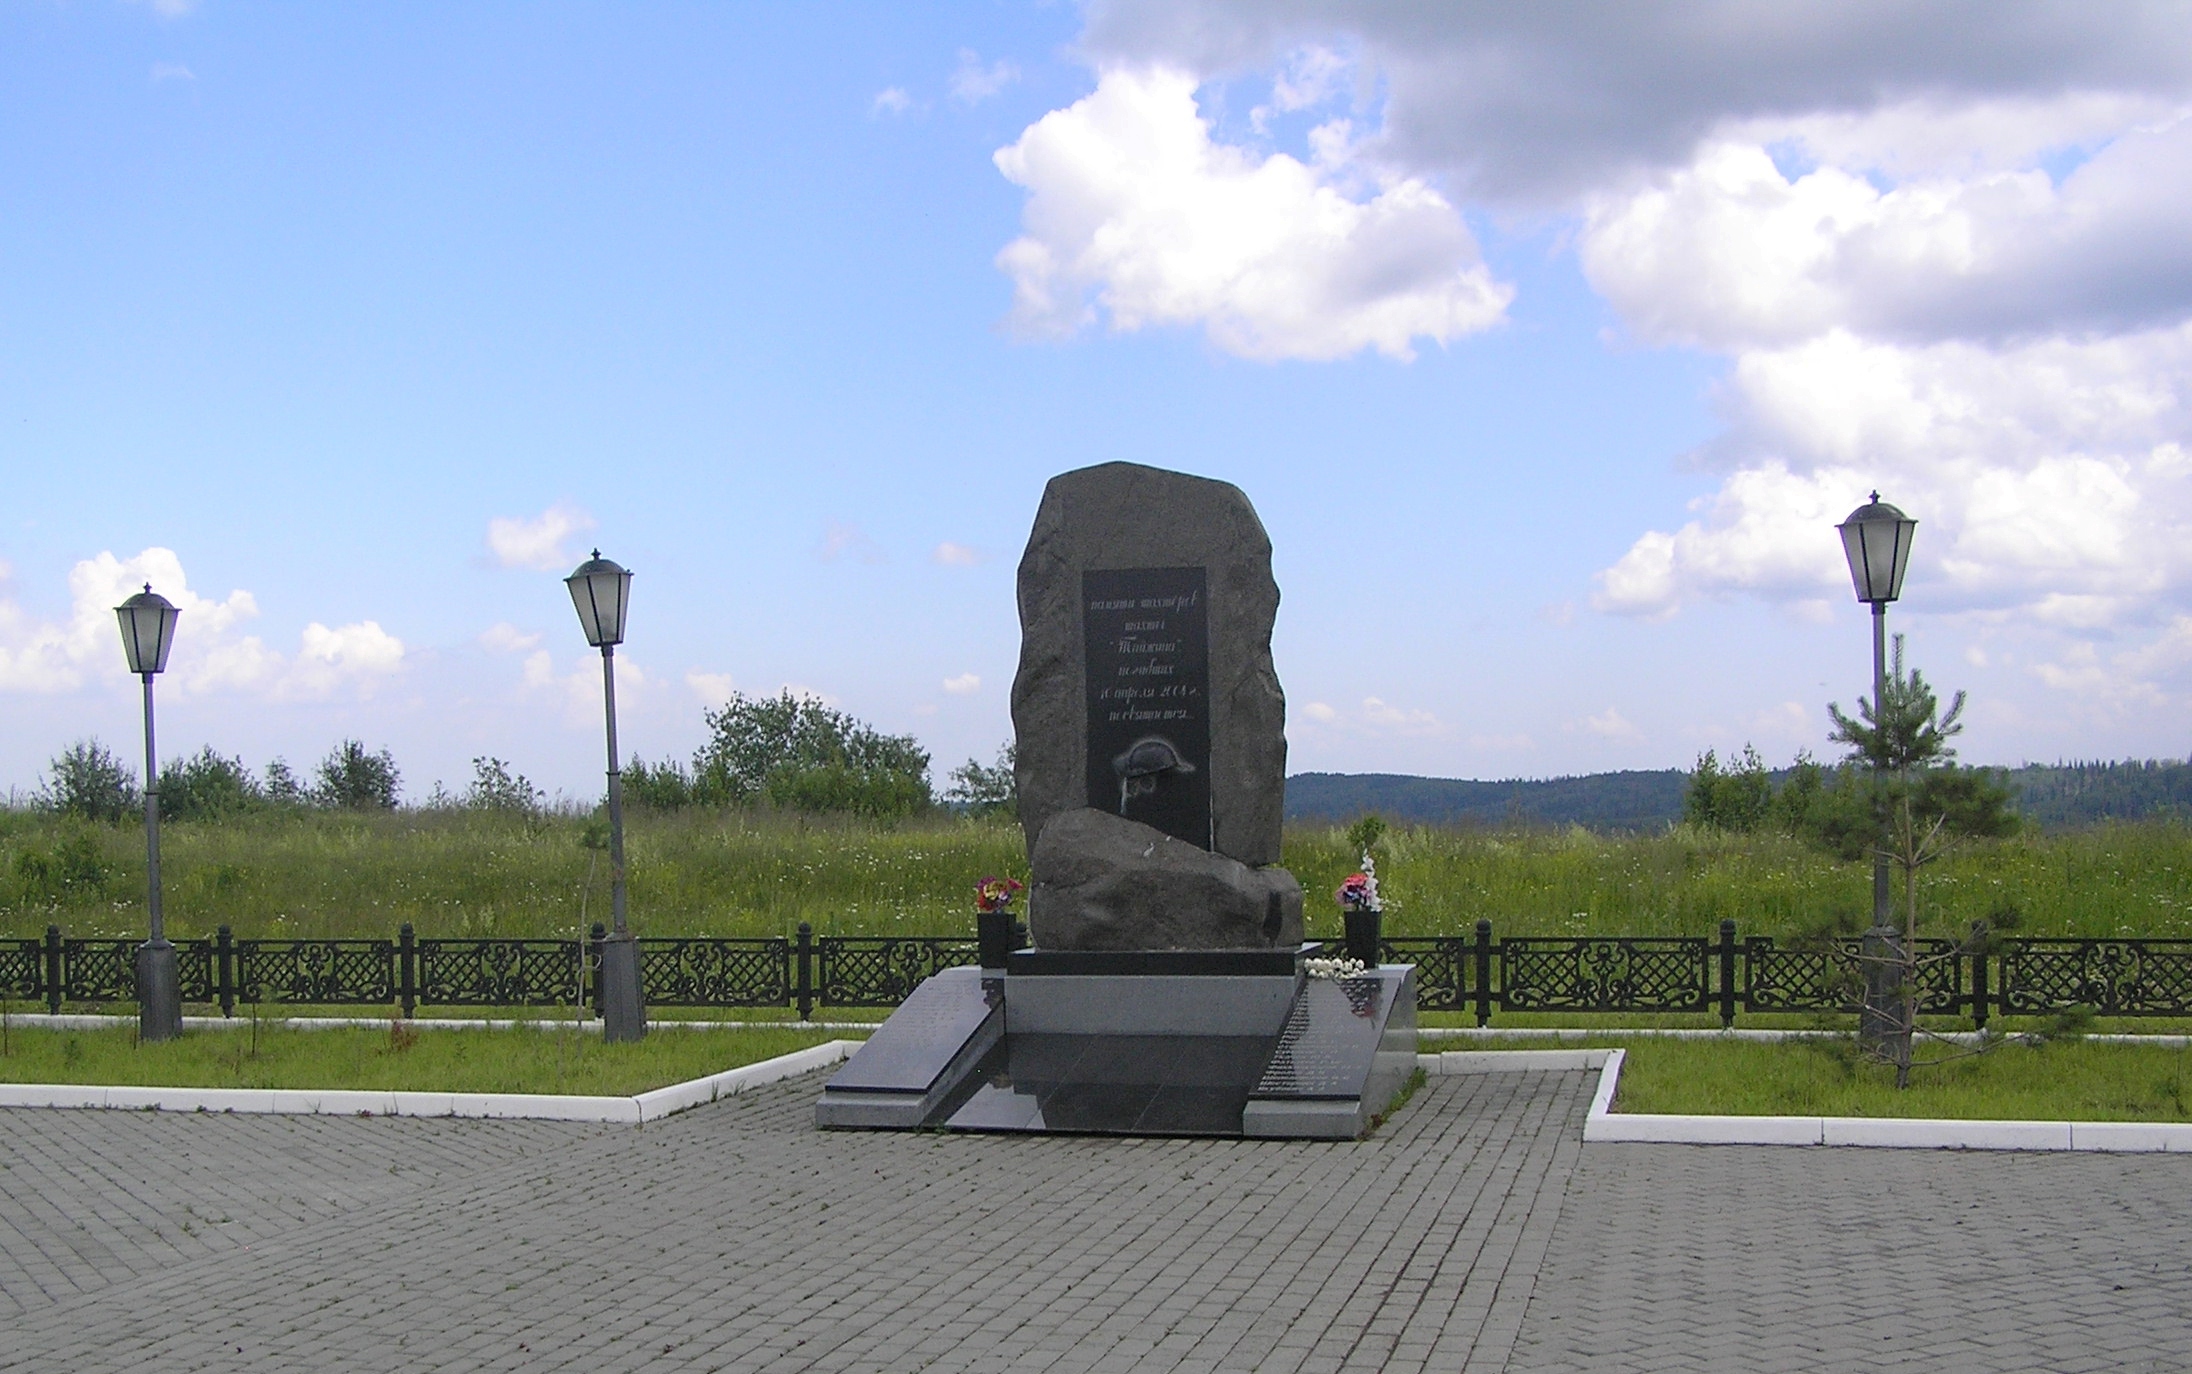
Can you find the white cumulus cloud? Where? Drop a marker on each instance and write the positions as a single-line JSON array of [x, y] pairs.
[[537, 542], [211, 652], [1939, 250], [1135, 215], [965, 684]]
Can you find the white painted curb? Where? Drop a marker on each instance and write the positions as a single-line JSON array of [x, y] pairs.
[[97, 1021], [1499, 1033], [1603, 1124], [1513, 1061], [647, 1106]]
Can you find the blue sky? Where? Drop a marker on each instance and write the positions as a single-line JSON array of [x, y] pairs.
[[365, 324]]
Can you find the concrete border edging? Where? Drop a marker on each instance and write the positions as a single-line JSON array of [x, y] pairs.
[[647, 1106], [1603, 1124], [101, 1021]]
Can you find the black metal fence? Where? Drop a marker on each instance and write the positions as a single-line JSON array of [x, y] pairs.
[[1719, 975]]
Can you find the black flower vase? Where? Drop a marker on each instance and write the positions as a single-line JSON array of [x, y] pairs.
[[993, 936], [1363, 934]]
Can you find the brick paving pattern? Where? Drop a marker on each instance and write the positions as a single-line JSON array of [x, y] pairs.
[[1474, 1232], [737, 1237], [1689, 1257]]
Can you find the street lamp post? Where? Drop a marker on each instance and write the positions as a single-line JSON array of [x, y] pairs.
[[1876, 540], [148, 632], [601, 590]]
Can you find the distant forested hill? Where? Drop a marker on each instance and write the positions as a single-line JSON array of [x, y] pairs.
[[1599, 801], [2052, 796], [2062, 794]]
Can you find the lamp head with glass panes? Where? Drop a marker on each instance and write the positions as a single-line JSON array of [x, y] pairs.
[[600, 589], [1876, 539], [148, 630]]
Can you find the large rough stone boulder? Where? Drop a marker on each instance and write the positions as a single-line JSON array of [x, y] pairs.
[[1104, 882], [1121, 516]]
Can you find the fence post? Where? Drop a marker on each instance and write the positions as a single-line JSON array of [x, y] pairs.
[[53, 970], [803, 988], [407, 968], [1484, 972], [1727, 973], [1979, 989], [224, 968], [594, 938]]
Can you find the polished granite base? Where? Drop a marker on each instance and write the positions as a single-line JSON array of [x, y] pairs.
[[1117, 1084], [1226, 1054]]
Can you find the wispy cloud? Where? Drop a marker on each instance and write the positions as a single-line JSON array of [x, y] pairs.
[[842, 537], [891, 100], [1611, 724], [171, 71], [536, 542], [972, 82], [964, 685], [1376, 717], [713, 689], [505, 638], [955, 555]]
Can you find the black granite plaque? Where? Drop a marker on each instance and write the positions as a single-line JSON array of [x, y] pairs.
[[1148, 637], [1331, 1039], [909, 1052]]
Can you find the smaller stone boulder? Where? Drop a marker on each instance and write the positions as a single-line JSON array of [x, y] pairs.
[[1104, 882]]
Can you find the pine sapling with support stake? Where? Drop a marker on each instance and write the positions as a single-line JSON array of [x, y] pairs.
[[1905, 801]]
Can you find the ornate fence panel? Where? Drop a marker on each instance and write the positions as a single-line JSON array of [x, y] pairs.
[[1830, 976], [23, 970], [882, 971], [715, 972], [1942, 986], [1600, 973], [316, 972], [2114, 977], [500, 973], [1442, 968], [99, 970], [106, 970]]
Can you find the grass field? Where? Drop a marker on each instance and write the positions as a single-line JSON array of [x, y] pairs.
[[2067, 1081], [460, 873], [399, 1058]]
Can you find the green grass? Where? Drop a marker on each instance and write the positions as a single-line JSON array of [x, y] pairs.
[[401, 1058], [2066, 1081], [698, 872]]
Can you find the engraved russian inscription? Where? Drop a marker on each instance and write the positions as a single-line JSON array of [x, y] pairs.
[[1148, 656]]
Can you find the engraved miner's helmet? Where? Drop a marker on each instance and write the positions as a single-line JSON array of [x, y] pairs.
[[1146, 760]]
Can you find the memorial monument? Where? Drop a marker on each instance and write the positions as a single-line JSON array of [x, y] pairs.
[[1166, 989]]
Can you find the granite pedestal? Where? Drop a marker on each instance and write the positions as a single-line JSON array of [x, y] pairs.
[[1207, 1043]]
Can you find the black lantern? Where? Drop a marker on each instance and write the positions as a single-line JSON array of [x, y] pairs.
[[601, 590], [1876, 540], [148, 630]]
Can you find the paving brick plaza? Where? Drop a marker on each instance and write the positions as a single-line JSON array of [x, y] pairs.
[[1474, 1232]]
